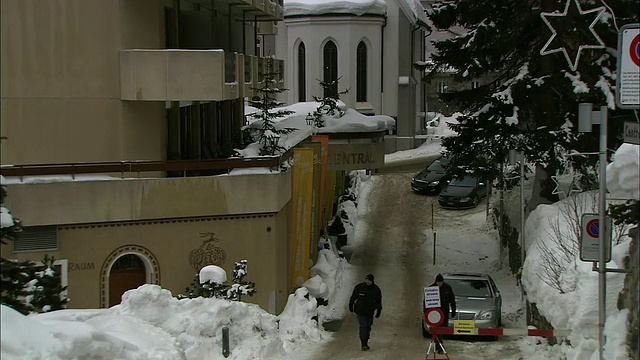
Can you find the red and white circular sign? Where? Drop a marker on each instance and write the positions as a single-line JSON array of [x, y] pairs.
[[433, 317]]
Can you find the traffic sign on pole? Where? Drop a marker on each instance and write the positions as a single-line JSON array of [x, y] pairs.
[[589, 238], [628, 74]]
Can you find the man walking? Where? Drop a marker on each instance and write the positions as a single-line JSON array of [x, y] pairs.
[[365, 301], [447, 302]]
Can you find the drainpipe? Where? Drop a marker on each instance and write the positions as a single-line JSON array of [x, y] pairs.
[[382, 65]]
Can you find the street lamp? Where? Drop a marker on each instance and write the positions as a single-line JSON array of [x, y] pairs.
[[586, 118], [310, 119]]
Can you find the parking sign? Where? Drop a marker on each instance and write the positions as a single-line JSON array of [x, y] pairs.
[[589, 238]]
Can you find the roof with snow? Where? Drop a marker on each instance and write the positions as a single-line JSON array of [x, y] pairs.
[[323, 7], [412, 8]]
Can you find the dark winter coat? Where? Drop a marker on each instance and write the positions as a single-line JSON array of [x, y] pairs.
[[447, 298], [366, 299]]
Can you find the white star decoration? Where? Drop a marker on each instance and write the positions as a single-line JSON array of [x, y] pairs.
[[600, 44], [566, 184]]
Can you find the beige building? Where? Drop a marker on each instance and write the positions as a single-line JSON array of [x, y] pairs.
[[118, 121], [118, 88]]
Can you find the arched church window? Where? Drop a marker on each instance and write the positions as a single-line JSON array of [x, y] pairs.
[[302, 95], [330, 65], [361, 72]]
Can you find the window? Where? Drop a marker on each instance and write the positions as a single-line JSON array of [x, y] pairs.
[[36, 238], [361, 72], [330, 65], [302, 95]]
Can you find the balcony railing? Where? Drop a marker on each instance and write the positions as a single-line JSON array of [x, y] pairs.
[[126, 168]]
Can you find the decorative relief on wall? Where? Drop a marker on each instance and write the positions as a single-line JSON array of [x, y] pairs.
[[208, 253]]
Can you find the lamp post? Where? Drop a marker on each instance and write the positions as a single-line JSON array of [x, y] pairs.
[[586, 118]]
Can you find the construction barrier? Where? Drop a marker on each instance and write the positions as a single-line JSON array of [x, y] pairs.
[[500, 332]]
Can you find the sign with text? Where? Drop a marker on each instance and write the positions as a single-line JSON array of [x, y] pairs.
[[355, 156], [589, 238], [432, 297], [628, 74], [631, 132], [463, 327]]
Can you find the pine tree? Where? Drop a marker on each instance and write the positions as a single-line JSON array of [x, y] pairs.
[[15, 276], [268, 135], [48, 292], [208, 289], [233, 292], [239, 286], [328, 104], [531, 105]]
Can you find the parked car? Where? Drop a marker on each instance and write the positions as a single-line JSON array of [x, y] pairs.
[[432, 179], [477, 298], [462, 193]]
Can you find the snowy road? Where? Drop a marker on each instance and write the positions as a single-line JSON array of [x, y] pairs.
[[396, 245]]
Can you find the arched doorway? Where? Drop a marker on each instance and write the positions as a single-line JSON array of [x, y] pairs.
[[127, 272]]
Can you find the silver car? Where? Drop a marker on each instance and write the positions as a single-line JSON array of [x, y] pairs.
[[477, 298]]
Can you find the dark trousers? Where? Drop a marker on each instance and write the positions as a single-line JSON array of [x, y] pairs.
[[365, 328], [445, 323]]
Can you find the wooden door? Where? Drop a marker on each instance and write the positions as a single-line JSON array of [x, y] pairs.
[[128, 272]]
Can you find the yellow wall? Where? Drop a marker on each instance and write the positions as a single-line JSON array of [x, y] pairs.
[[174, 245]]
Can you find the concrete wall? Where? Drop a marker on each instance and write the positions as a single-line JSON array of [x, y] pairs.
[[60, 81], [144, 199]]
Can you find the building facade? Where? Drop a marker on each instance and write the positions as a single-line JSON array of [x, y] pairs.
[[144, 96], [370, 52]]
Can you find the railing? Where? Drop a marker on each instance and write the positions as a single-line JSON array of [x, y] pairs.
[[138, 167]]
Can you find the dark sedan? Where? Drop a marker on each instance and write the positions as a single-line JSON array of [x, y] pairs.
[[432, 179], [463, 193]]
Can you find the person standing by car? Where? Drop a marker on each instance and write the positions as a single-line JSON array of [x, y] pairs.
[[447, 301], [366, 300]]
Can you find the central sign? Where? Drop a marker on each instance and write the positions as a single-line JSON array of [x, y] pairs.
[[355, 156]]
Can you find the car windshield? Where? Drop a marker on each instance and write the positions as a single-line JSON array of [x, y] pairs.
[[437, 166], [467, 181], [470, 288]]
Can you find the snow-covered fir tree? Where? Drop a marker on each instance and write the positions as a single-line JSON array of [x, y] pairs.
[[24, 285], [48, 290], [233, 291], [14, 275], [531, 102], [268, 135], [328, 103], [239, 286]]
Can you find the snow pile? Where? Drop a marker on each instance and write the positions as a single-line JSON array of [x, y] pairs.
[[152, 324], [623, 174], [566, 293]]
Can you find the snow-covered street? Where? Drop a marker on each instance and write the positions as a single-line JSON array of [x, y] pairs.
[[395, 243]]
